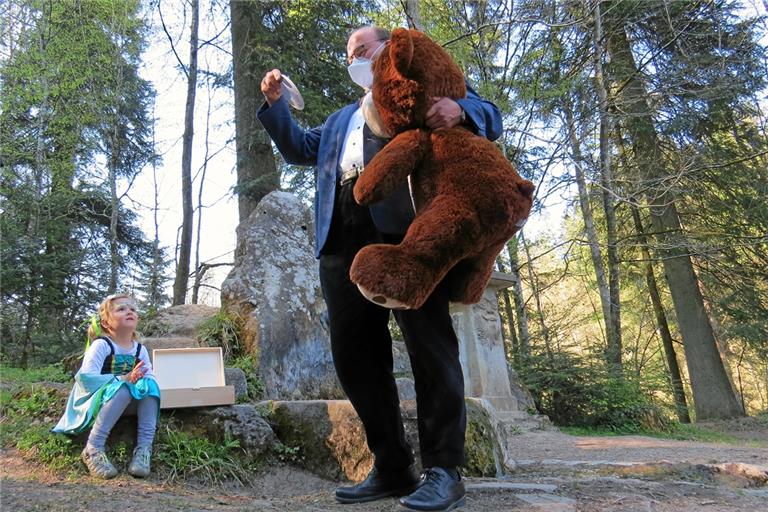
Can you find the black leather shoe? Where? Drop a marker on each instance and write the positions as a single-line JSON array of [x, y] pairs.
[[438, 491], [379, 485]]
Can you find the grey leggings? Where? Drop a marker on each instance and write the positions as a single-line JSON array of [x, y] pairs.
[[145, 409]]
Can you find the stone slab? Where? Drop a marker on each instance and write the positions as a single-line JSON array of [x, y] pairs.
[[498, 485], [548, 502]]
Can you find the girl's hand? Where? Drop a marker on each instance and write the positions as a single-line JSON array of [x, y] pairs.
[[137, 373]]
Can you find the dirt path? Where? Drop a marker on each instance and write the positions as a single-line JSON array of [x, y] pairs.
[[553, 447], [556, 473]]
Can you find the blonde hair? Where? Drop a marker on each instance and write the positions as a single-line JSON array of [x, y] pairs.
[[105, 317]]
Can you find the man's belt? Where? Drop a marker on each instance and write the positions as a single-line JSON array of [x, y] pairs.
[[350, 175]]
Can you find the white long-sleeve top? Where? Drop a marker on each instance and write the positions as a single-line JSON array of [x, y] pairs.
[[99, 351]]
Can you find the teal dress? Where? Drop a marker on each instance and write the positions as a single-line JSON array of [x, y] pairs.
[[92, 390]]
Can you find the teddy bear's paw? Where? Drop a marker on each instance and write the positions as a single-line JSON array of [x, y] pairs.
[[381, 300]]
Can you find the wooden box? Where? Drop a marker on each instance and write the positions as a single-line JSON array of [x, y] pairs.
[[191, 377]]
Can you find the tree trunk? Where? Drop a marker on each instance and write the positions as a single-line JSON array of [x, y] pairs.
[[606, 178], [114, 162], [155, 293], [32, 276], [675, 376], [523, 336], [114, 256], [712, 391], [257, 173], [206, 156], [114, 204], [513, 343], [185, 247], [537, 300], [612, 349], [412, 14]]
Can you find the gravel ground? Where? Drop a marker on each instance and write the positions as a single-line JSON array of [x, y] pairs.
[[556, 473]]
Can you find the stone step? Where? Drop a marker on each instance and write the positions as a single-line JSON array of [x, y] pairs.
[[733, 474], [515, 422], [539, 497], [513, 415], [511, 429]]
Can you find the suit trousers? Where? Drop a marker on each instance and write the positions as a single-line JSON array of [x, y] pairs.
[[362, 352]]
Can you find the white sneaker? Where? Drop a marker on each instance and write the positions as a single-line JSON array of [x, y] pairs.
[[98, 464], [139, 466]]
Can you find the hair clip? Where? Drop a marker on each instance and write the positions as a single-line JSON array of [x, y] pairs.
[[95, 322]]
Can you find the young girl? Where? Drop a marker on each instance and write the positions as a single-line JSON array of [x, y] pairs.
[[116, 376]]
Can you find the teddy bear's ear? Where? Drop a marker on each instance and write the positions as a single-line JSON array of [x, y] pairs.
[[401, 50]]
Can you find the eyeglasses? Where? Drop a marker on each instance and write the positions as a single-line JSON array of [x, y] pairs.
[[360, 50]]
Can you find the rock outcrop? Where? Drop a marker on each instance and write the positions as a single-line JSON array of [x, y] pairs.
[[275, 287], [332, 443]]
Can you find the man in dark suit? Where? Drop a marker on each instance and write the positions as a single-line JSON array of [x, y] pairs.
[[360, 338]]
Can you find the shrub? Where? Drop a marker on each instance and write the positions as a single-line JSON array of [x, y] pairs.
[[222, 330], [573, 393]]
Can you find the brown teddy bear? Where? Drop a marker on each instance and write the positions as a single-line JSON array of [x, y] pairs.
[[469, 200]]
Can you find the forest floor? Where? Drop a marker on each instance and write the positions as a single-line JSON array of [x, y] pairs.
[[556, 472]]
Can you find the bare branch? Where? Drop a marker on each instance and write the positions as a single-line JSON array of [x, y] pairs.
[[170, 40]]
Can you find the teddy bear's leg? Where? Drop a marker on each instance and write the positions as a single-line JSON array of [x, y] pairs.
[[388, 170], [404, 275], [469, 277], [377, 284]]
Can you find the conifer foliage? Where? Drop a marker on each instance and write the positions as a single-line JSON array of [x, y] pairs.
[[74, 130]]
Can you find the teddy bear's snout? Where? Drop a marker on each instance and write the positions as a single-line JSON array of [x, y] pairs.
[[373, 119]]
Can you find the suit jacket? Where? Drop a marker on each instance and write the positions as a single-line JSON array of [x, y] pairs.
[[321, 147]]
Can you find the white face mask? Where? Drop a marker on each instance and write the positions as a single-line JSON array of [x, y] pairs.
[[360, 70]]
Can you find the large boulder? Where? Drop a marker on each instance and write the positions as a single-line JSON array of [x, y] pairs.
[[180, 321], [275, 287], [236, 377], [328, 434], [175, 327], [332, 444], [241, 422]]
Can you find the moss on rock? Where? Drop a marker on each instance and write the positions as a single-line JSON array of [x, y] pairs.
[[482, 446]]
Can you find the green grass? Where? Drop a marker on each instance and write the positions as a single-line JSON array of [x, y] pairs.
[[182, 455], [222, 330], [679, 431], [26, 407], [29, 412], [49, 373], [55, 451]]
